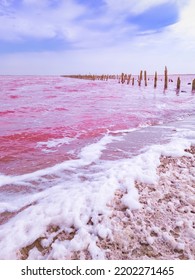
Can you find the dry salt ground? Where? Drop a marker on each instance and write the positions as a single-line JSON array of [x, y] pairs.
[[164, 228]]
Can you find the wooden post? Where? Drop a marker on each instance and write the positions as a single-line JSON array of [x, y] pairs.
[[140, 78], [193, 85], [122, 78], [133, 80], [155, 80], [145, 78], [128, 79], [178, 83], [166, 79]]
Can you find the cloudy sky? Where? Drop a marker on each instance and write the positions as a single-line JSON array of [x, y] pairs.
[[96, 36]]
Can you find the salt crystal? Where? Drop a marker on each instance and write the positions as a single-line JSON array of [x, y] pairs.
[[150, 240], [179, 223], [180, 246]]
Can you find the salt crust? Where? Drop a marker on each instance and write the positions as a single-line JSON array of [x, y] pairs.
[[164, 228]]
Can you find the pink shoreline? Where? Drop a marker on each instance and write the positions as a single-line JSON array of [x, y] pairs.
[[164, 227]]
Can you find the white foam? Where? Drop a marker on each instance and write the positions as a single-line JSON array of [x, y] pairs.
[[128, 130], [67, 165], [131, 199], [93, 152], [49, 145], [122, 131], [5, 206], [88, 154]]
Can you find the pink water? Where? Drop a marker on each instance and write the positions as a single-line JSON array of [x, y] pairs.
[[60, 138], [40, 109]]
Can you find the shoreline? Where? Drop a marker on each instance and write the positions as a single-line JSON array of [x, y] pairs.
[[164, 227]]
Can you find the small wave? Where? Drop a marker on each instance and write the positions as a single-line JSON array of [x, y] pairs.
[[53, 143]]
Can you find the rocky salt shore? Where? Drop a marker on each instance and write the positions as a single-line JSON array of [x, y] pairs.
[[164, 228]]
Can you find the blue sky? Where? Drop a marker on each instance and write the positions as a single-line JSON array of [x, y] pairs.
[[96, 36]]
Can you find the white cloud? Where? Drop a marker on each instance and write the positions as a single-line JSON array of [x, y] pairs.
[[184, 29], [37, 19], [36, 3], [134, 6], [34, 21], [5, 3], [41, 23]]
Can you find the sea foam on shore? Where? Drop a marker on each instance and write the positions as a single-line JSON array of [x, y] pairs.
[[136, 208]]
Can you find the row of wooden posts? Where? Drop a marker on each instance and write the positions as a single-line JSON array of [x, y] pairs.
[[126, 78]]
